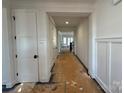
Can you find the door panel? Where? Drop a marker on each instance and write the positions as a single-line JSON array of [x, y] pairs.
[[25, 26]]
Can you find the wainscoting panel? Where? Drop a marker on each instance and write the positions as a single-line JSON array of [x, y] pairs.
[[109, 64], [116, 67], [102, 62]]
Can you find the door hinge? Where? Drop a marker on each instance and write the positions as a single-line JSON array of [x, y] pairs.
[[15, 37], [16, 56], [16, 74], [13, 18]]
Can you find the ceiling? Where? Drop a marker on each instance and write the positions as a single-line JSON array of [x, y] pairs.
[[67, 33], [73, 18], [69, 1]]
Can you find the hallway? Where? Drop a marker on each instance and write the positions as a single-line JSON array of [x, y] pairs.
[[35, 32], [69, 76]]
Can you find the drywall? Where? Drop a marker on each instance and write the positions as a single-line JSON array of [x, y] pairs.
[[82, 41], [92, 44], [42, 23], [108, 19], [52, 42]]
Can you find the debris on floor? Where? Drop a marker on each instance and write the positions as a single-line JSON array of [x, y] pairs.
[[53, 88], [81, 89], [69, 76]]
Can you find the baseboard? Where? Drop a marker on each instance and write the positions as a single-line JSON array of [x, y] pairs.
[[11, 84], [99, 85], [98, 81], [92, 75], [102, 85], [7, 89], [52, 67], [82, 63]]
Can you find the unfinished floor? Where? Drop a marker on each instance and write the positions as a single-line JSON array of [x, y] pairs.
[[68, 76]]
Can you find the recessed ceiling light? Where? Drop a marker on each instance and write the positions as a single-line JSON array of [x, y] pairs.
[[67, 22]]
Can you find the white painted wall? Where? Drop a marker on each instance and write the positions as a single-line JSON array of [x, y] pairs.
[[52, 42], [108, 45], [92, 46], [108, 19], [82, 41], [42, 24]]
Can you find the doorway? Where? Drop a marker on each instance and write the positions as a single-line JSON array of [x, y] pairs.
[[66, 39]]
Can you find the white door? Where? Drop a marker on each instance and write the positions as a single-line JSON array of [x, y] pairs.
[[26, 38]]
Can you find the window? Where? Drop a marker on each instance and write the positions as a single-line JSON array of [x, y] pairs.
[[71, 39], [64, 40]]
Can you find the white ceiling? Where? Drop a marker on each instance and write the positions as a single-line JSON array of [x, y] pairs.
[[67, 33], [73, 18], [69, 1]]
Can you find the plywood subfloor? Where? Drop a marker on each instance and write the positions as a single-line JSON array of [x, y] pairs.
[[68, 76]]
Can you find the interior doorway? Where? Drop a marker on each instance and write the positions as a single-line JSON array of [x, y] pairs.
[[66, 39]]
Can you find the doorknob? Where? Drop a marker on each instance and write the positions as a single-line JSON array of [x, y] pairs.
[[35, 56]]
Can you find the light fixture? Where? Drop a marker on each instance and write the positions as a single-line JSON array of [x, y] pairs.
[[66, 22]]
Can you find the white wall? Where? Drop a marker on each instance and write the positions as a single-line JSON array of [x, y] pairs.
[[108, 45], [52, 42], [82, 41], [92, 36], [108, 19], [42, 28]]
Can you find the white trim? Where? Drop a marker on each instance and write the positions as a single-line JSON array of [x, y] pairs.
[[109, 66], [92, 75], [102, 84], [46, 79], [115, 37], [11, 84], [111, 39]]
